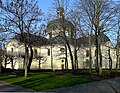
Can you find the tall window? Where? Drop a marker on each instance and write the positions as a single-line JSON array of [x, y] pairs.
[[11, 49], [35, 52], [96, 52], [50, 35], [48, 52], [87, 53]]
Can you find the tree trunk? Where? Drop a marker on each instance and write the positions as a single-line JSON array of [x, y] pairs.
[[96, 53], [117, 50], [12, 65], [71, 56], [90, 56], [90, 62], [30, 59], [66, 60], [110, 61], [117, 59], [26, 60], [75, 57], [6, 61], [39, 63], [99, 54], [0, 66], [51, 57], [119, 64]]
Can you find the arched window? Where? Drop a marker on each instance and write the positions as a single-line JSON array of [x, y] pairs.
[[62, 50]]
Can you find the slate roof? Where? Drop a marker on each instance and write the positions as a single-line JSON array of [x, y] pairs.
[[39, 41], [85, 40], [33, 40], [59, 40]]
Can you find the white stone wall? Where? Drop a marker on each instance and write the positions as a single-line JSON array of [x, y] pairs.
[[57, 56]]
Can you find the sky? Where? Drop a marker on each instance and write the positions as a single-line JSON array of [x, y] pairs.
[[44, 5]]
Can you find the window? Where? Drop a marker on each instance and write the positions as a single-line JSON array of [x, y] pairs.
[[82, 45], [50, 35], [87, 63], [58, 13], [11, 49], [35, 51], [87, 53], [48, 52], [96, 52], [62, 50]]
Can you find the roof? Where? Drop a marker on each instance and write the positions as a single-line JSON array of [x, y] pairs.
[[85, 40], [33, 39], [59, 24], [59, 40], [39, 41]]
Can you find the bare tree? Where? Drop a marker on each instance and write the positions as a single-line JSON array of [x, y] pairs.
[[3, 38], [1, 58], [98, 15], [117, 46], [23, 18], [75, 19], [62, 7]]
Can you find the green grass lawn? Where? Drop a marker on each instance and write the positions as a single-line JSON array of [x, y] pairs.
[[44, 81]]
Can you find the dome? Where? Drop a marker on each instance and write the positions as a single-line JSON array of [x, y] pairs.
[[59, 24]]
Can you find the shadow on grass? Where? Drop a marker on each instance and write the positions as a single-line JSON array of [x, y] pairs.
[[36, 81], [5, 77], [44, 81], [50, 81]]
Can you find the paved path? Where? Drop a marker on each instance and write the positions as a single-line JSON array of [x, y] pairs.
[[105, 86], [7, 87]]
